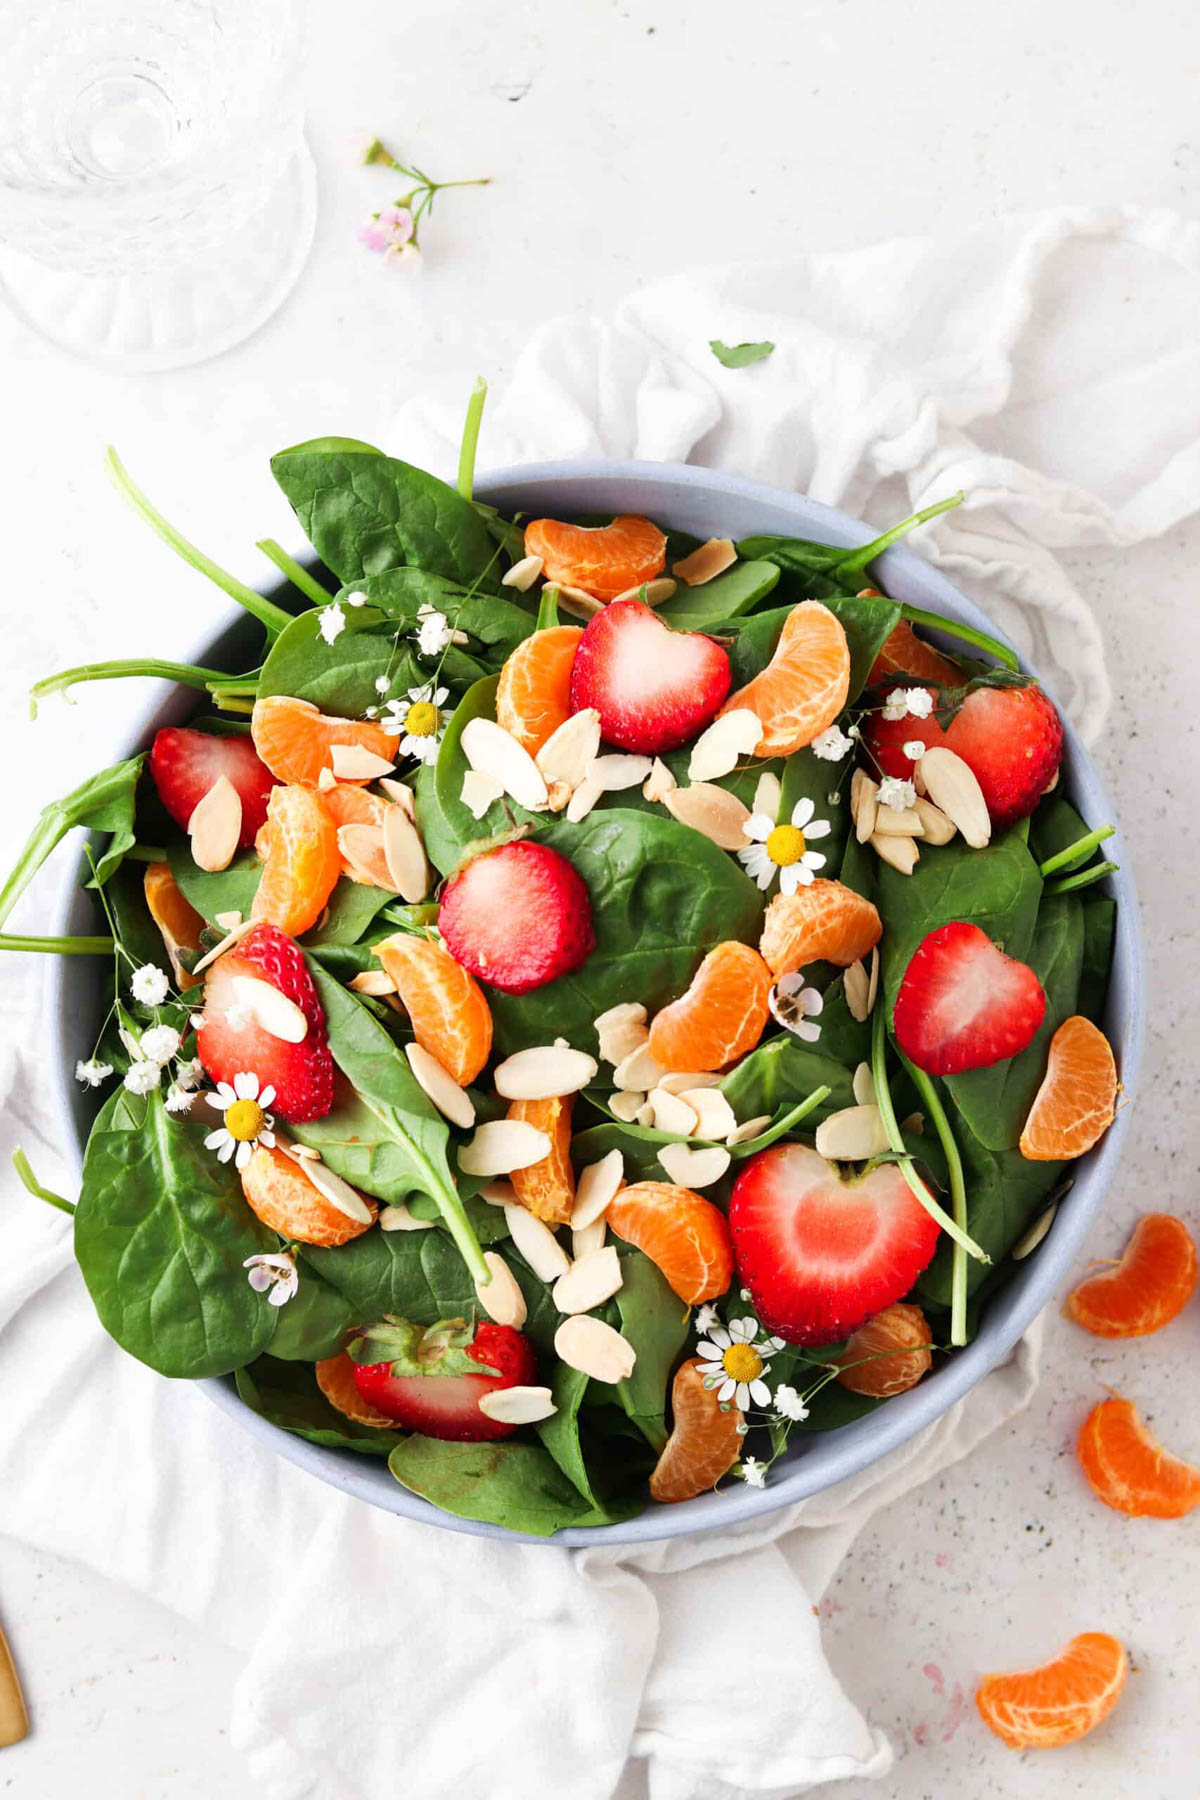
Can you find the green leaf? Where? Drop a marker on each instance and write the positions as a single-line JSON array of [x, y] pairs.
[[559, 1434], [223, 890], [415, 1275], [725, 597], [339, 678], [656, 1322], [739, 356], [287, 1394], [1099, 931], [1004, 1196], [103, 802], [512, 1484], [314, 1322], [781, 1073]]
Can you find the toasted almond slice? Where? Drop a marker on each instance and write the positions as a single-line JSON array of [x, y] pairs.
[[278, 1016], [864, 804], [712, 811], [398, 1218], [339, 1193], [856, 987], [711, 559], [452, 1101], [361, 846], [227, 920], [898, 821], [864, 1085], [501, 1298], [558, 794], [719, 749], [749, 1129], [768, 795], [651, 593], [938, 829], [626, 1106], [502, 1145], [621, 1030], [694, 1168], [1053, 782], [596, 1189], [544, 1073], [582, 801], [479, 791], [613, 774], [493, 751], [659, 782], [404, 854], [682, 1080], [638, 1070], [523, 574], [227, 942], [589, 1239], [570, 748], [576, 601], [595, 1349], [326, 779], [518, 1405], [216, 825], [951, 785], [645, 1113], [715, 1118], [498, 1193], [589, 1282], [300, 1153], [354, 762], [373, 982], [852, 1135], [669, 1113], [537, 1243], [900, 852], [1026, 1245], [397, 791]]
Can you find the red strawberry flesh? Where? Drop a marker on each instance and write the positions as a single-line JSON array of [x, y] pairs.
[[185, 764], [654, 688], [963, 1004], [517, 916], [301, 1074], [447, 1406]]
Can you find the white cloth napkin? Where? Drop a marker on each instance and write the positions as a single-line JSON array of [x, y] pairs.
[[1050, 367]]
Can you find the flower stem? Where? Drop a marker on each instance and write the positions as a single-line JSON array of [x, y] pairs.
[[59, 946], [470, 436], [780, 1129], [30, 1181], [296, 573], [1085, 878], [1077, 852], [187, 673], [917, 615], [958, 1196], [855, 562], [883, 1099]]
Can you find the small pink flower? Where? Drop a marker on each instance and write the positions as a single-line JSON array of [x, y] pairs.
[[387, 231]]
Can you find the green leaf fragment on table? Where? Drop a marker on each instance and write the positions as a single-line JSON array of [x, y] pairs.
[[740, 356]]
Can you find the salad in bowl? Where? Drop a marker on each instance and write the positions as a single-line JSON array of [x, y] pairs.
[[589, 1007]]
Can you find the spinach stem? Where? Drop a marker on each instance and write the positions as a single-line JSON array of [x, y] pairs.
[[547, 616], [30, 1181], [883, 1099], [59, 946], [470, 436], [272, 617], [916, 615], [231, 703], [781, 1126], [1085, 878], [958, 1196], [1077, 852], [296, 573], [855, 561], [186, 673]]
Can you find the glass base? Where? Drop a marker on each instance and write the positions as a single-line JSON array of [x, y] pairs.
[[188, 312]]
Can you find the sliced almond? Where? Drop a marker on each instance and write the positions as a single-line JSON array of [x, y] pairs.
[[397, 791], [502, 1145], [501, 1298], [1025, 1245], [626, 1106], [361, 846], [216, 825], [952, 786], [404, 854], [719, 749], [326, 779], [398, 1218], [493, 751], [621, 1030], [768, 795], [227, 920], [701, 565], [900, 852], [278, 1016], [1053, 782], [864, 804], [588, 1239], [498, 1193], [523, 574], [638, 1070], [680, 1081], [613, 774], [479, 791], [715, 1118], [596, 1189], [544, 1073], [644, 1115], [354, 762], [300, 1153], [595, 1349], [567, 752], [852, 1135], [582, 801], [898, 821], [749, 1129], [373, 982], [589, 1282], [712, 811], [651, 593], [864, 1085], [451, 1100], [576, 601], [669, 1113], [873, 989], [537, 1243], [517, 1405], [694, 1168], [339, 1193], [938, 829], [658, 782], [856, 985]]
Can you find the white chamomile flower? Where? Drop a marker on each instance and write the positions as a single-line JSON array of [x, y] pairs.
[[897, 794], [914, 749], [434, 634], [331, 623], [707, 1318], [795, 1006], [247, 1123], [160, 1043], [276, 1273], [419, 721], [789, 1405], [149, 985], [141, 1077], [753, 1472], [382, 683], [178, 1099], [93, 1073], [732, 1362], [784, 848], [831, 745]]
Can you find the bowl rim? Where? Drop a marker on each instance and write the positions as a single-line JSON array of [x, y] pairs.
[[866, 1440]]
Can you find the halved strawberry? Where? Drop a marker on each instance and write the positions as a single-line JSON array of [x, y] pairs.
[[654, 688], [186, 763], [821, 1254], [431, 1379], [517, 916], [963, 1004], [230, 1040], [1011, 737]]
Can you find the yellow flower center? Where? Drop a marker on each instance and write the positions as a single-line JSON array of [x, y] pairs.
[[785, 845], [421, 719], [244, 1120], [741, 1362]]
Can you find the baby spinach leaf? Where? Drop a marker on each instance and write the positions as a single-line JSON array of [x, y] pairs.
[[835, 1405], [287, 1394], [657, 1323], [418, 1275], [807, 777], [161, 1233], [1005, 1193], [221, 890], [103, 802], [844, 569], [638, 1144], [353, 908], [495, 625], [739, 356], [781, 1073], [559, 1433], [447, 826], [1099, 929], [339, 678], [313, 1323], [725, 597], [512, 1484]]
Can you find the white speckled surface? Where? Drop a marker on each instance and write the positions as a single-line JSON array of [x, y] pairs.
[[625, 137]]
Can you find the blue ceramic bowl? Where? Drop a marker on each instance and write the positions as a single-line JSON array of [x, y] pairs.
[[708, 504]]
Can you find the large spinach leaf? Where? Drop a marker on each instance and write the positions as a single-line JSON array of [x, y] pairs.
[[725, 597], [314, 1323], [656, 1322], [512, 1484], [1004, 1195], [781, 1073], [495, 624], [287, 1394], [103, 802], [417, 1275], [559, 1433], [352, 907], [339, 678]]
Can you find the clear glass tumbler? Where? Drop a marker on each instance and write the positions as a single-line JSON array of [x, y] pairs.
[[157, 198]]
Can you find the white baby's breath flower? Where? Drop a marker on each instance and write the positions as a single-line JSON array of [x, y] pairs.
[[178, 1099], [141, 1077], [149, 985], [896, 794], [832, 744], [246, 1121], [189, 1074], [160, 1043], [276, 1273], [92, 1073], [753, 1472], [357, 598], [795, 1006], [434, 634], [332, 623], [920, 702], [706, 1318], [382, 683], [789, 1404], [914, 749]]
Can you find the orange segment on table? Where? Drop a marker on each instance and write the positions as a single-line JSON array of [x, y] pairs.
[[1059, 1702], [1128, 1467], [1150, 1285]]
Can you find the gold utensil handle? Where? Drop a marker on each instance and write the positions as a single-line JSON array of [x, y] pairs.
[[14, 1720]]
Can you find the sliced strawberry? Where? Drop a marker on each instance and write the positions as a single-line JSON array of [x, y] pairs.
[[517, 916], [1011, 737], [425, 1380], [963, 1004], [186, 763], [654, 688], [820, 1254], [230, 1040]]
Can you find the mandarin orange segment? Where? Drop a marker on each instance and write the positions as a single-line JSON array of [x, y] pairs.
[[296, 741], [823, 922], [534, 694], [335, 1378], [1061, 1701], [547, 1188], [682, 1233], [904, 653], [604, 560], [1076, 1102], [1146, 1289], [721, 1015], [302, 864], [888, 1354], [177, 919], [445, 1004], [1129, 1469], [704, 1443], [804, 686], [278, 1190]]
